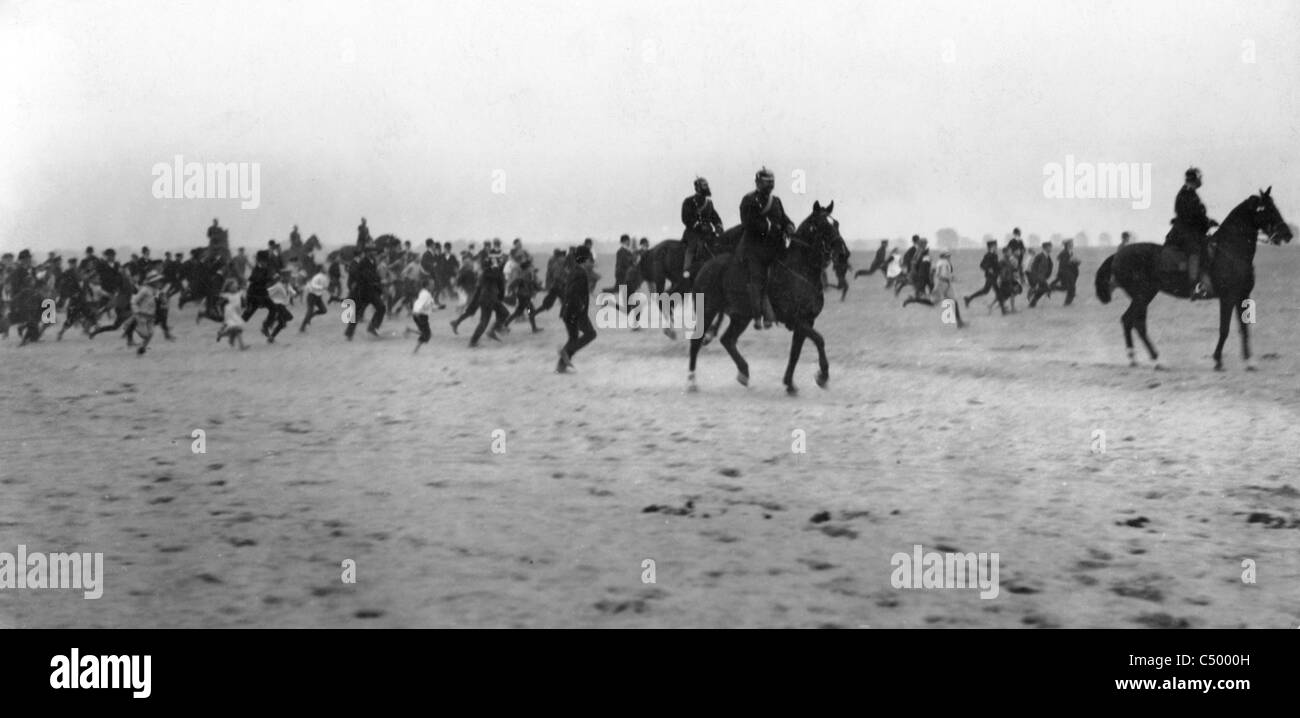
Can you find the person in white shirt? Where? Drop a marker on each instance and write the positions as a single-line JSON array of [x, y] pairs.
[[420, 310], [942, 277], [279, 293], [144, 308], [317, 288], [893, 266], [408, 286], [233, 326]]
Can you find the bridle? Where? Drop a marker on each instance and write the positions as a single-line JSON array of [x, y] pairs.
[[820, 250]]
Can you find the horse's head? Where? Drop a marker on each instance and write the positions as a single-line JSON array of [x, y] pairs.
[[821, 233], [1267, 219]]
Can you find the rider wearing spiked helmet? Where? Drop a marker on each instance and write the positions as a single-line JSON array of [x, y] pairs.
[[701, 221], [765, 226]]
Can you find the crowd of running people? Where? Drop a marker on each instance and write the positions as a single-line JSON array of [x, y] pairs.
[[1008, 272], [380, 277]]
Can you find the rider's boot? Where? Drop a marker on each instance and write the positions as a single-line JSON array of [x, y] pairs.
[[755, 305], [1199, 288]]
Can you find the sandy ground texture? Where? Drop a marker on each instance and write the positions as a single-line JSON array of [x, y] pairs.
[[980, 440]]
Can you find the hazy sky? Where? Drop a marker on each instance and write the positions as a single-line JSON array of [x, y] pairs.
[[593, 118]]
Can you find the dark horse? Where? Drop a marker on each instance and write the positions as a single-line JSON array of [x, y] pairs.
[[1137, 269], [794, 286], [302, 251], [662, 263]]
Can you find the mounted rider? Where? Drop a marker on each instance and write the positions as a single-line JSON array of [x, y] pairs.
[[701, 223], [1190, 225], [765, 226], [218, 242]]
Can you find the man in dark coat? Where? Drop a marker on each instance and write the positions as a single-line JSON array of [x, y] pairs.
[[575, 309], [367, 289], [878, 263], [487, 295], [1190, 223], [700, 221], [1067, 271], [989, 266], [765, 226], [1040, 272]]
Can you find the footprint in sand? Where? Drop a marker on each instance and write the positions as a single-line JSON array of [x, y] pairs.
[[1139, 589], [1161, 620]]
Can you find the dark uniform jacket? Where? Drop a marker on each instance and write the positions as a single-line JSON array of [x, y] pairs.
[[622, 262], [110, 277], [1066, 270], [1189, 212], [554, 270], [1041, 268], [696, 209], [989, 264], [577, 294], [908, 258], [365, 275], [259, 281], [764, 222]]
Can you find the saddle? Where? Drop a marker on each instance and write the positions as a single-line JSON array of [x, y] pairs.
[[1174, 260]]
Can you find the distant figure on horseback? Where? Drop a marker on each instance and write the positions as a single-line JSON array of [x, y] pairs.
[[218, 242], [765, 226], [702, 223], [363, 234], [1190, 225], [1144, 270]]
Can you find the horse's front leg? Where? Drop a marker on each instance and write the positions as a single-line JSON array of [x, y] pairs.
[[1243, 327], [823, 364], [1225, 323], [735, 328], [796, 348]]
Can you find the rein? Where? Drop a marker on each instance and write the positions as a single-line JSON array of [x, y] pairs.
[[795, 240]]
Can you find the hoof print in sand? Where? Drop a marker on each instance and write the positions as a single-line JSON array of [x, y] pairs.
[[1271, 522], [1139, 589], [839, 532], [1161, 620], [686, 510]]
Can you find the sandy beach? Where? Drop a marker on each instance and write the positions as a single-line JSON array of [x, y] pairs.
[[981, 440]]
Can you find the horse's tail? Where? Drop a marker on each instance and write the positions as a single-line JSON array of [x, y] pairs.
[[1103, 280]]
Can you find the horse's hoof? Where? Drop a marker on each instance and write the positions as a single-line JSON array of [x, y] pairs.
[[1159, 367], [743, 379], [1251, 367], [670, 334], [822, 378], [1218, 366], [791, 390]]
